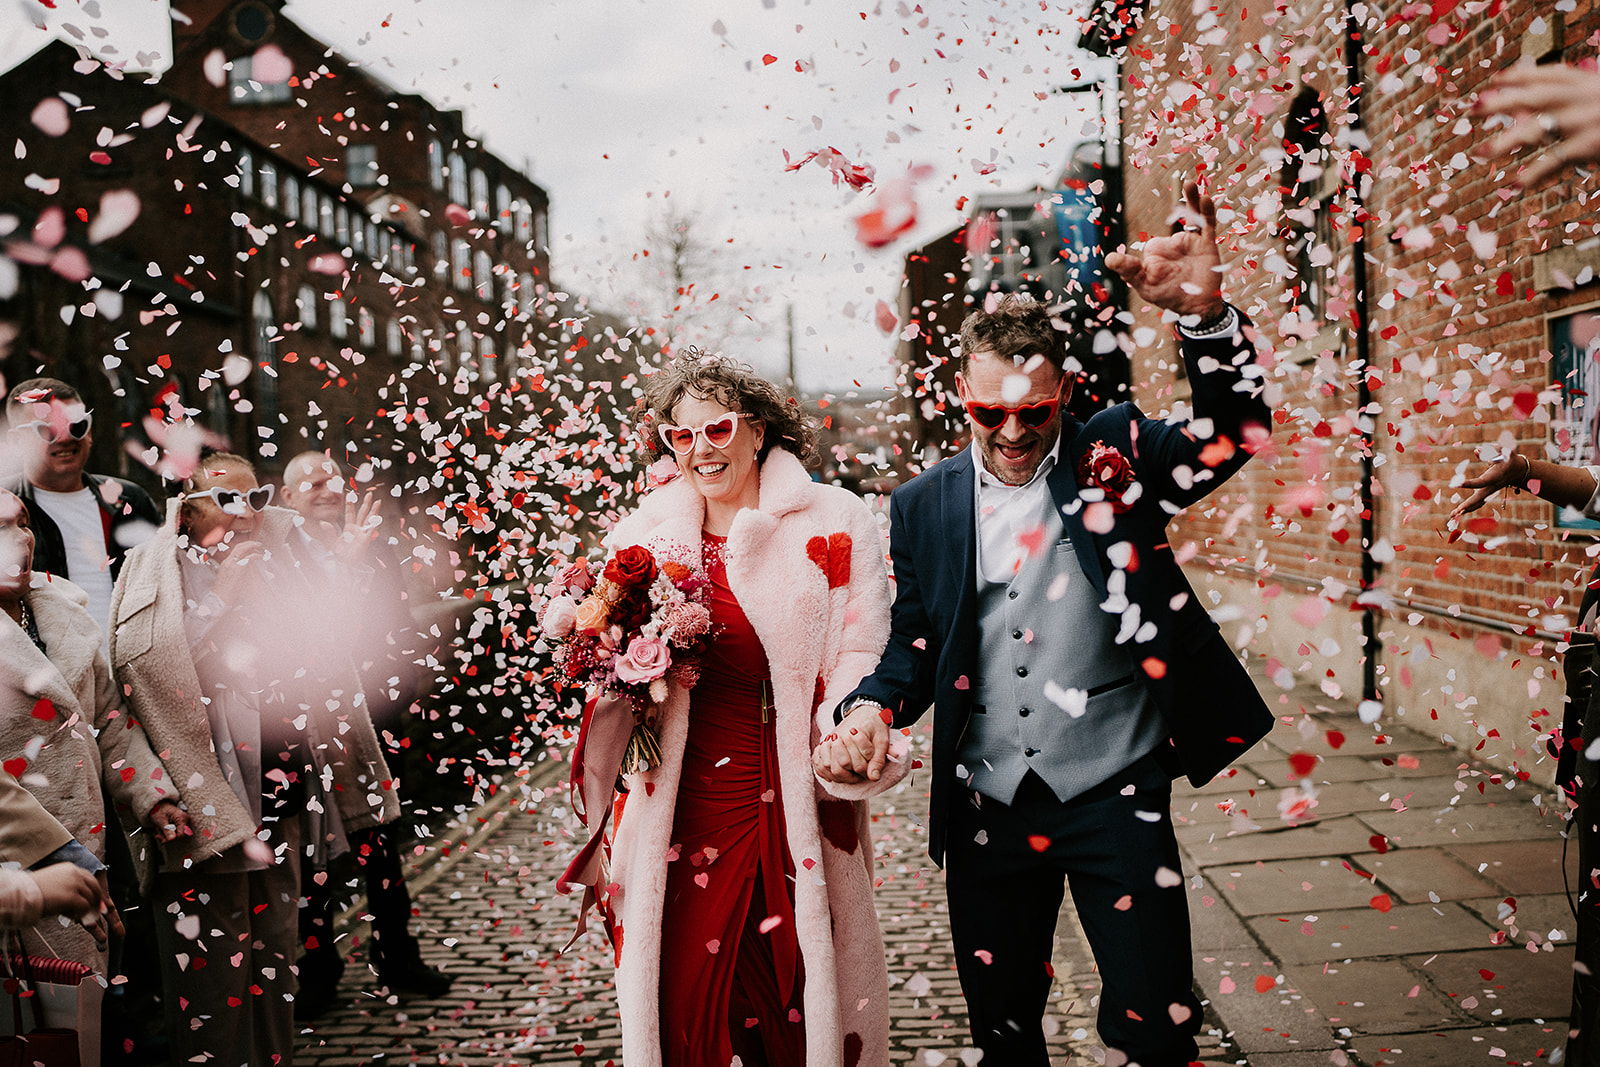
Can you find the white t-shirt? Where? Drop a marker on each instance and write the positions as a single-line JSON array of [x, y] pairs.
[[77, 515]]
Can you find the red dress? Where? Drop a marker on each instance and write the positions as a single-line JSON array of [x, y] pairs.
[[728, 986]]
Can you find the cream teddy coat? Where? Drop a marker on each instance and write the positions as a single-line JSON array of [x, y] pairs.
[[151, 660], [63, 728], [808, 570]]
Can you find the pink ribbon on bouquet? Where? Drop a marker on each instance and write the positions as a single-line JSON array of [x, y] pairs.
[[596, 762]]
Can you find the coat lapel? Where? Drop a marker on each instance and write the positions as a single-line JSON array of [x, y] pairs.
[[1063, 482], [959, 521]]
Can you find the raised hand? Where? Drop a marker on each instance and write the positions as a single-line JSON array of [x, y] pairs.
[[1183, 272], [1555, 108], [360, 527]]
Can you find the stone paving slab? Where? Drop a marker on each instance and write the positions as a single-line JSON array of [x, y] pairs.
[[1502, 1046], [1522, 867], [1540, 918], [1212, 846], [1354, 933], [1423, 875], [1467, 825], [1373, 996], [1328, 769], [1268, 887], [1492, 985]]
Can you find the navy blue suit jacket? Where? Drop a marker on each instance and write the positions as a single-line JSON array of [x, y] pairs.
[[1210, 706]]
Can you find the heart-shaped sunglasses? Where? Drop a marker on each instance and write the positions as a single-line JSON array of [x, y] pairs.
[[1033, 416], [234, 502], [717, 432]]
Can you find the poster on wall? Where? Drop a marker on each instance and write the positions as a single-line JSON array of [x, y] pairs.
[[1575, 343]]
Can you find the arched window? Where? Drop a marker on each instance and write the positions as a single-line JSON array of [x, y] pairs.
[[305, 299], [269, 183], [366, 329], [247, 172], [525, 293], [338, 320], [291, 197], [483, 274], [480, 194], [464, 348], [441, 254], [458, 179], [436, 164], [486, 358], [262, 332], [461, 264], [310, 217], [394, 338]]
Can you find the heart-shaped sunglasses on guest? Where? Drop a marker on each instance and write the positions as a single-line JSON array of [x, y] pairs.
[[1033, 416], [234, 502], [717, 432]]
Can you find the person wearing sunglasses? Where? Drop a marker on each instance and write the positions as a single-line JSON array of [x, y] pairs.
[[746, 900], [1074, 672], [230, 638], [84, 523]]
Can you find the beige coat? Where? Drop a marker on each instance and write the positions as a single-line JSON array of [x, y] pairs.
[[28, 833], [63, 728], [151, 659]]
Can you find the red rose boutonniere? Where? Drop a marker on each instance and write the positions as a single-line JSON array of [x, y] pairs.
[[1103, 467]]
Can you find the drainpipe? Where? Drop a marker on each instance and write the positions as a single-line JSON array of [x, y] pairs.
[[1360, 327]]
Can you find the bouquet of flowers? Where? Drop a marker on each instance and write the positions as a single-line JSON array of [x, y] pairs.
[[642, 622]]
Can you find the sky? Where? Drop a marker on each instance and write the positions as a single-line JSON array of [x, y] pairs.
[[624, 108]]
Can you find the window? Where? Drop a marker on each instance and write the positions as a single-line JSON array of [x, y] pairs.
[[541, 239], [483, 274], [306, 301], [269, 184], [308, 208], [375, 243], [247, 172], [480, 194], [262, 331], [242, 89], [436, 164], [325, 214], [338, 320], [366, 329], [464, 348], [341, 222], [441, 254], [361, 165], [291, 196], [486, 358], [461, 265], [503, 214], [524, 217], [1307, 232], [394, 338], [525, 293], [458, 179]]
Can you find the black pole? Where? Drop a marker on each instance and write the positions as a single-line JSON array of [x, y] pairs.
[[1360, 221]]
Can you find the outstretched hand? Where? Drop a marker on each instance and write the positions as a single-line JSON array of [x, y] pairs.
[[360, 528], [1495, 477], [1183, 272], [1553, 108]]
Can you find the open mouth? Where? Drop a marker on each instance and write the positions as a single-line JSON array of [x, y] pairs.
[[710, 470]]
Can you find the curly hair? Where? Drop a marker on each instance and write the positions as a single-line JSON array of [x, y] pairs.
[[1018, 325], [717, 377]]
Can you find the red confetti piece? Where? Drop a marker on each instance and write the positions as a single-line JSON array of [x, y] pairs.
[[768, 59], [15, 767], [1038, 842], [1382, 902], [1264, 983], [44, 710], [1378, 843], [1302, 764]]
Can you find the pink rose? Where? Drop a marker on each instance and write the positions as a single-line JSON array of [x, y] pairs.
[[576, 578], [645, 660], [560, 616]]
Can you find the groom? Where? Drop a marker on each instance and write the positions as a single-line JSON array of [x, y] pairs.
[[1039, 605]]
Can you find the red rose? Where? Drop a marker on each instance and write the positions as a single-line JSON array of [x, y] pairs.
[[1107, 469], [632, 567]]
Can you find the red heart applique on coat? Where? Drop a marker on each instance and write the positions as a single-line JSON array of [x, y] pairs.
[[831, 554]]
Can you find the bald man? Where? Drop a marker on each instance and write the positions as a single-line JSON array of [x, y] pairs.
[[315, 486]]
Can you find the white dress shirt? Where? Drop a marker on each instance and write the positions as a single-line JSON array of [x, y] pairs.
[[1007, 513]]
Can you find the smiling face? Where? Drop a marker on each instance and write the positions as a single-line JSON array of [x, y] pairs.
[[726, 475], [53, 459], [206, 523], [1013, 451], [313, 486], [16, 547]]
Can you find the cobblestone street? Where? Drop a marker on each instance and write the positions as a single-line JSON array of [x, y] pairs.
[[490, 916]]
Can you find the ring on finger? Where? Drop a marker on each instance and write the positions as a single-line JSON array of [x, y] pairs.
[[1548, 123]]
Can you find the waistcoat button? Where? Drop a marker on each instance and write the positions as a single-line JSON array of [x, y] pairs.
[[1024, 712], [1016, 635], [1022, 672]]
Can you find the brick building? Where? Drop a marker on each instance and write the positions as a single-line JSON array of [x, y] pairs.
[[316, 255], [1354, 207]]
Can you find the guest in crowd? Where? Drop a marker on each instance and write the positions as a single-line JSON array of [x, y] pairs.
[[386, 640], [63, 731], [221, 638]]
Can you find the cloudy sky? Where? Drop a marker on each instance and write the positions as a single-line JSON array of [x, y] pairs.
[[620, 107]]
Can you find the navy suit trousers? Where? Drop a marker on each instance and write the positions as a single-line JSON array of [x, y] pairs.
[[1114, 845]]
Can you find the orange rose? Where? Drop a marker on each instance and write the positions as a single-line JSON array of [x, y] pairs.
[[592, 616]]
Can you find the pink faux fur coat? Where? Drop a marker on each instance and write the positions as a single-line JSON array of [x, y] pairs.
[[808, 569]]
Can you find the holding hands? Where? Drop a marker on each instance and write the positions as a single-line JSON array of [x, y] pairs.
[[858, 750], [1183, 272]]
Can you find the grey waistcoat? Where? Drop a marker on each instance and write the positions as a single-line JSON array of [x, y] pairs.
[[1056, 694]]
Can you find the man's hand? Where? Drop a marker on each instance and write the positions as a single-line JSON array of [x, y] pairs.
[[72, 891], [1181, 273], [857, 751], [1553, 108], [169, 821], [108, 907]]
